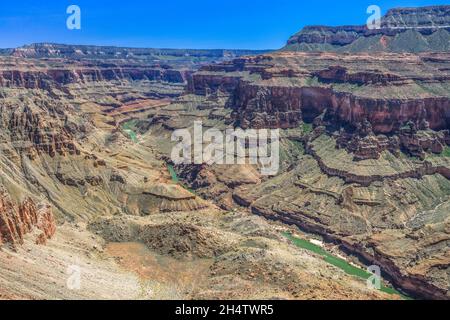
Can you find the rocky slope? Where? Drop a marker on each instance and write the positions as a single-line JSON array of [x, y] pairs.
[[402, 30]]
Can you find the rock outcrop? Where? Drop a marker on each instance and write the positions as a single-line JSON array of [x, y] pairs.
[[364, 144], [18, 220], [38, 127], [402, 30]]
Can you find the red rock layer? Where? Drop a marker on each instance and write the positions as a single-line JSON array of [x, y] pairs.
[[18, 220], [274, 104]]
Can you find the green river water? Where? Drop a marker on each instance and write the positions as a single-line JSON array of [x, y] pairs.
[[173, 174], [338, 262], [127, 127]]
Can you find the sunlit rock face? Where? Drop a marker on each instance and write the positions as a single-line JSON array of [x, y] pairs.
[[17, 220], [402, 30], [285, 89]]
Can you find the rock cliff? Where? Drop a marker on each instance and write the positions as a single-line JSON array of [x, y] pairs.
[[78, 74], [402, 30], [17, 220], [282, 90], [185, 57]]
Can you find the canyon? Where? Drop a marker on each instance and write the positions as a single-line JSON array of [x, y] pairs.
[[87, 188], [87, 177]]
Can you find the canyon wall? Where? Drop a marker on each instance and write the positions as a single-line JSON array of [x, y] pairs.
[[280, 91], [428, 27], [285, 107], [91, 52], [45, 79]]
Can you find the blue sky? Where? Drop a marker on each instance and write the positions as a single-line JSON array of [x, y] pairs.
[[243, 24]]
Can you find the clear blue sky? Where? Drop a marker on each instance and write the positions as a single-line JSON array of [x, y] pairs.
[[245, 24]]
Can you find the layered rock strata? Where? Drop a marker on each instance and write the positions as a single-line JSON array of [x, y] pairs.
[[428, 27], [341, 91]]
